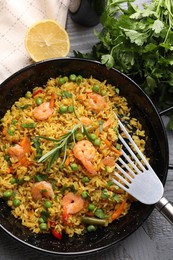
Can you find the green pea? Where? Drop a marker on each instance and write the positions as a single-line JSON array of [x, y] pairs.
[[91, 207], [97, 142], [70, 109], [11, 130], [84, 194], [28, 94], [85, 179], [91, 228], [16, 202], [74, 166], [43, 226], [95, 88], [63, 109], [72, 77], [47, 204], [61, 81], [93, 137], [79, 79], [13, 181], [41, 220], [79, 136], [103, 92], [65, 78], [7, 194], [38, 101]]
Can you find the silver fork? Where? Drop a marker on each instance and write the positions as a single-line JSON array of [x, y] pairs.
[[137, 177]]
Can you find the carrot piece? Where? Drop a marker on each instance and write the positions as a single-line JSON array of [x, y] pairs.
[[118, 211], [26, 144], [9, 170], [4, 131], [52, 100], [112, 148], [67, 161], [22, 162], [117, 151]]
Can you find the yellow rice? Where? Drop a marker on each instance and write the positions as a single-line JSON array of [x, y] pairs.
[[20, 180]]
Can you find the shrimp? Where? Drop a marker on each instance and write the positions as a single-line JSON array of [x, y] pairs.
[[18, 151], [85, 152], [43, 111], [42, 189], [85, 120], [108, 161], [72, 203], [106, 124], [96, 102]]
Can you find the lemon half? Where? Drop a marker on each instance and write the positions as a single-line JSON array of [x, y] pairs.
[[47, 39]]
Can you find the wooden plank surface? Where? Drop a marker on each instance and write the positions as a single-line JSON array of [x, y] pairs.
[[152, 241]]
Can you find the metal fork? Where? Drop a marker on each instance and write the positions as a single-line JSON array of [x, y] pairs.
[[137, 177]]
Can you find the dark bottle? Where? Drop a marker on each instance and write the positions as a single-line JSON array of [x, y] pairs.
[[86, 12]]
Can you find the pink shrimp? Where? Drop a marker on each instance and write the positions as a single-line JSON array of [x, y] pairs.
[[96, 102], [85, 120], [16, 152], [108, 161], [106, 124], [43, 111], [19, 151], [42, 189], [72, 203], [85, 152]]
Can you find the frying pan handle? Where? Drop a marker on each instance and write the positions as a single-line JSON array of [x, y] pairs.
[[166, 208], [163, 112]]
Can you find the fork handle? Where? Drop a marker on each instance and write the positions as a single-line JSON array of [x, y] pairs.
[[165, 208]]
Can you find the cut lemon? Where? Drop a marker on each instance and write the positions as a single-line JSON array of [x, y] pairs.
[[47, 39]]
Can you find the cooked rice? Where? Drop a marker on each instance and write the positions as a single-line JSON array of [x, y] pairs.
[[20, 180]]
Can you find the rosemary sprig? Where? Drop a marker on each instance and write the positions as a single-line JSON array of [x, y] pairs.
[[60, 144]]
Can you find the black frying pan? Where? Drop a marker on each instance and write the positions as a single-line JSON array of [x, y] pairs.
[[157, 149]]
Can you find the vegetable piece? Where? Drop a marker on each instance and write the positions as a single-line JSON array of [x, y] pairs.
[[28, 94], [52, 100], [91, 228], [84, 194], [36, 92], [47, 204], [38, 101], [96, 88], [29, 125], [74, 166], [108, 143], [43, 226], [70, 109], [91, 207], [118, 211], [7, 194], [16, 202], [63, 109], [56, 234], [94, 221], [85, 179], [99, 213], [72, 77], [97, 142], [79, 136]]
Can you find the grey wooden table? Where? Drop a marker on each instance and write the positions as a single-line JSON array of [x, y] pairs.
[[152, 241]]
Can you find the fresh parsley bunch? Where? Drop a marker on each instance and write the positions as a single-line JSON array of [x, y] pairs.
[[139, 42]]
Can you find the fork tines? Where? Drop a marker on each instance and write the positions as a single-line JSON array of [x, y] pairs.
[[128, 164]]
